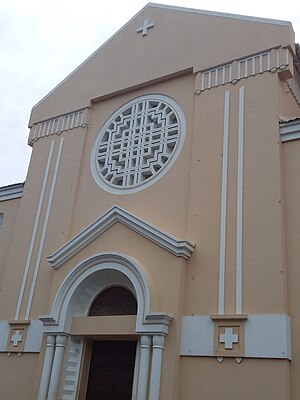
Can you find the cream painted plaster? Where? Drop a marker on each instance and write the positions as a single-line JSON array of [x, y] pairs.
[[157, 264], [10, 210], [251, 380], [104, 326], [17, 376], [291, 171], [172, 204]]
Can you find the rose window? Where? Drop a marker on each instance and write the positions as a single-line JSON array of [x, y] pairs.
[[138, 143]]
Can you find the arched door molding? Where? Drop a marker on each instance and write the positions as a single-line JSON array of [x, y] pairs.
[[73, 299], [87, 279]]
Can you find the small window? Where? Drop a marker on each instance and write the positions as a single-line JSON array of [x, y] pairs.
[[1, 220], [115, 300]]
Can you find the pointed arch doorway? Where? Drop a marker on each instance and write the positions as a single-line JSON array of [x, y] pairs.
[[111, 361]]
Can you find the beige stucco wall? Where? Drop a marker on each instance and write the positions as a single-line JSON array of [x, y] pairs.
[[185, 202], [10, 210], [18, 376], [251, 380], [291, 170], [262, 210]]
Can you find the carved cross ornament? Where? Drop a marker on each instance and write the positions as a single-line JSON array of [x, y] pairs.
[[229, 338], [16, 338], [229, 335], [144, 28]]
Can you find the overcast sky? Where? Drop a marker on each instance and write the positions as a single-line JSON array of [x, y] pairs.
[[42, 41]]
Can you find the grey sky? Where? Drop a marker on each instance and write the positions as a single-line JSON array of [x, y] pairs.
[[42, 41]]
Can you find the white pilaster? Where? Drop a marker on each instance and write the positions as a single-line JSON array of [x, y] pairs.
[[44, 229], [221, 305], [60, 344], [144, 367], [47, 368], [34, 232], [157, 353], [239, 214]]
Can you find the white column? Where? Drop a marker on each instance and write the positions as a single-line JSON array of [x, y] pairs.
[[157, 353], [144, 367], [47, 368], [60, 344]]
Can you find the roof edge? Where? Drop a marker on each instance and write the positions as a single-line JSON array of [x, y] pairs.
[[221, 14], [90, 57]]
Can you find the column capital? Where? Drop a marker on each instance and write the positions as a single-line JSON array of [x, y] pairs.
[[50, 340], [61, 340], [158, 341], [146, 341]]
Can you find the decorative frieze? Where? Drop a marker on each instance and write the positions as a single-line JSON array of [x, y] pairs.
[[237, 336], [11, 192], [294, 86], [58, 125], [271, 60], [290, 130]]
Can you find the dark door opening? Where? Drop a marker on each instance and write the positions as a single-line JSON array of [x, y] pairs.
[[111, 370]]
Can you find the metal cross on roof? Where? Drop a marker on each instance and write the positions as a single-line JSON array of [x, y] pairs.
[[144, 29]]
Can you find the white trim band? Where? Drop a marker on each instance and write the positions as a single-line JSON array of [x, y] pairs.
[[33, 339], [271, 60], [58, 124], [266, 336]]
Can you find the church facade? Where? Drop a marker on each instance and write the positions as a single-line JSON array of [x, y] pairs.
[[153, 251]]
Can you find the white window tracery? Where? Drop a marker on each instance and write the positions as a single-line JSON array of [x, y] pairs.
[[139, 141]]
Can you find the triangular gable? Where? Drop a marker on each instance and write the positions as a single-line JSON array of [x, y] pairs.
[[178, 247], [180, 9], [181, 39]]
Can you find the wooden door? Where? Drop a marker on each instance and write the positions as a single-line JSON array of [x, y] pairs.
[[111, 370]]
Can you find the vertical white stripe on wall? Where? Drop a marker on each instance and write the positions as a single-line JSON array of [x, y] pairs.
[[221, 305], [43, 235], [239, 215], [34, 232]]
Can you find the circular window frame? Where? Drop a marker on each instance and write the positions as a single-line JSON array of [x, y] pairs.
[[100, 180]]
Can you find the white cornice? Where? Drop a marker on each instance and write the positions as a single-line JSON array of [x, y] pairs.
[[178, 247], [58, 124], [290, 130], [220, 14], [11, 192]]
